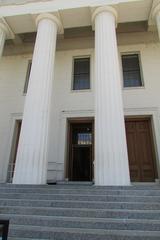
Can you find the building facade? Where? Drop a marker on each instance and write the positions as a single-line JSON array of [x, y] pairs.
[[80, 91]]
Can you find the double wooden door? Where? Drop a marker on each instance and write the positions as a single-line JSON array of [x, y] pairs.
[[140, 150]]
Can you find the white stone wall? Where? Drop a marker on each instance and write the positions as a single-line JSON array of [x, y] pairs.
[[66, 103]]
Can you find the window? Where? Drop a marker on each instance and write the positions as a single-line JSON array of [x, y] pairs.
[[27, 77], [81, 75], [131, 71]]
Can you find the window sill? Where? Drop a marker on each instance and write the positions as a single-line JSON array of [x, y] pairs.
[[133, 88], [81, 91]]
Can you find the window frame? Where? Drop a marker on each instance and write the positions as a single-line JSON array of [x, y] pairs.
[[29, 65], [140, 68], [72, 82]]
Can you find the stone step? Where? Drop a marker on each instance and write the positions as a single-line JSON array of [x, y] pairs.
[[86, 223], [80, 234], [72, 183], [81, 197], [81, 186], [85, 212], [17, 238], [80, 204], [81, 212], [90, 191]]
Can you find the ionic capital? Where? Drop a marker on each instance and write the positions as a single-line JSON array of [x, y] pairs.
[[52, 17], [102, 9], [155, 10], [6, 29]]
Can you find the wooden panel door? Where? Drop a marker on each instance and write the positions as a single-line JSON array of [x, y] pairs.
[[140, 150]]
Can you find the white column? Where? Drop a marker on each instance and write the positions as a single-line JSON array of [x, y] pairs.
[[2, 38], [111, 159], [31, 162]]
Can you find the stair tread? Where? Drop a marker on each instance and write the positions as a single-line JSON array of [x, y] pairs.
[[80, 230], [80, 209], [76, 201], [86, 219], [63, 212]]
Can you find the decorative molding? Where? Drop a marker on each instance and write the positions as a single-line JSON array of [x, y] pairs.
[[143, 111], [76, 113]]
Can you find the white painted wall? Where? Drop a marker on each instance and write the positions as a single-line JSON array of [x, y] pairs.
[[67, 103]]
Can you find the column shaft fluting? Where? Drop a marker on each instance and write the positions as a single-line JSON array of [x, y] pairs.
[[31, 162], [111, 159], [158, 23], [2, 39]]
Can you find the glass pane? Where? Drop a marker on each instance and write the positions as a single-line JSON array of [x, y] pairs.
[[81, 65], [131, 70], [130, 62], [81, 82], [84, 138], [132, 79]]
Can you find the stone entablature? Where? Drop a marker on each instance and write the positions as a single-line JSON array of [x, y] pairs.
[[17, 2]]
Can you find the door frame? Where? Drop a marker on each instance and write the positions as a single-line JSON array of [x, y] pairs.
[[79, 120], [151, 133]]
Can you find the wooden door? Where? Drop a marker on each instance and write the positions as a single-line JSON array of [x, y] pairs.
[[140, 150]]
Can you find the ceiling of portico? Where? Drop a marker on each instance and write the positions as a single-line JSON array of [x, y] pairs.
[[75, 17]]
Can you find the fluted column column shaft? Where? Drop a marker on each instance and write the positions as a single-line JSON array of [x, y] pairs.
[[111, 160], [158, 23], [2, 38], [31, 162]]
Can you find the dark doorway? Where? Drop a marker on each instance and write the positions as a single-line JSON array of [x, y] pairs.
[[4, 226], [141, 152], [80, 167]]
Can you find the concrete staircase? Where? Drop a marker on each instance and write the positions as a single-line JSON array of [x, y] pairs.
[[81, 212]]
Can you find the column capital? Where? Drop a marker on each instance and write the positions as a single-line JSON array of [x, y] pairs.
[[53, 17], [5, 27], [155, 11], [102, 9]]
